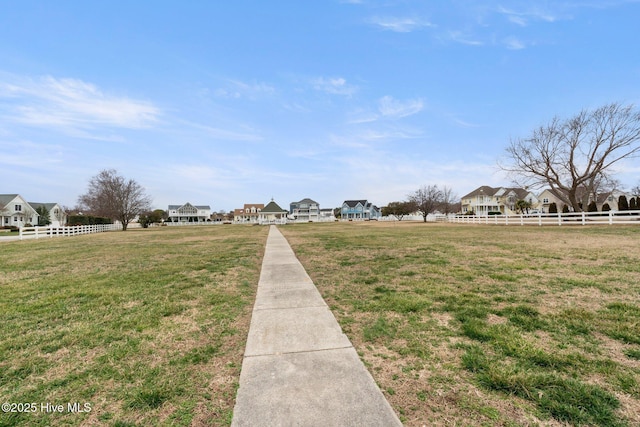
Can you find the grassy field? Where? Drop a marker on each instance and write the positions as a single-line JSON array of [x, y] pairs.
[[147, 327], [482, 325], [459, 325]]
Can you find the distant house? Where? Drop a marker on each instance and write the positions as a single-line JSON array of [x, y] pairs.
[[487, 199], [327, 214], [272, 213], [189, 213], [16, 211], [57, 215], [305, 210], [610, 198], [359, 209], [248, 214]]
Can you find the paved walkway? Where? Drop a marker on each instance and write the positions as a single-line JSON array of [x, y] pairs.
[[299, 369]]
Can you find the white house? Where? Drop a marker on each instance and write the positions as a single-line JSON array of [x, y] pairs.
[[272, 213], [189, 213], [16, 211], [57, 215], [248, 214]]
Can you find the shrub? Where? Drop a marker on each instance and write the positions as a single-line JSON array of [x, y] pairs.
[[553, 208], [592, 207], [623, 205], [565, 209], [606, 207], [87, 220]]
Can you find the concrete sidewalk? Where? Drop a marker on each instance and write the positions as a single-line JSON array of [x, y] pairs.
[[299, 369]]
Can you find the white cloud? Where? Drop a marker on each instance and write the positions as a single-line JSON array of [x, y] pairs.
[[72, 104], [522, 18], [400, 25], [225, 134], [334, 86], [459, 37], [513, 43], [239, 89], [390, 107]]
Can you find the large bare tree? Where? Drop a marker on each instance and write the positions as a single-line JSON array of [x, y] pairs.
[[112, 196], [426, 199], [572, 156]]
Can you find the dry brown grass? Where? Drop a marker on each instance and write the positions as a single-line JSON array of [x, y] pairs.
[[403, 293], [149, 326]]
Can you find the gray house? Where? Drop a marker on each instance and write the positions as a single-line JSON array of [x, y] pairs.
[[305, 210]]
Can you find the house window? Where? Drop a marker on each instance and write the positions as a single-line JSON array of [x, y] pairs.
[[545, 201], [18, 208]]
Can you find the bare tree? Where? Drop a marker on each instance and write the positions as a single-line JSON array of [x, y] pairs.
[[426, 199], [572, 155], [112, 196], [399, 209], [449, 199]]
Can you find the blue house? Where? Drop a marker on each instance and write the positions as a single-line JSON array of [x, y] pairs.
[[360, 209]]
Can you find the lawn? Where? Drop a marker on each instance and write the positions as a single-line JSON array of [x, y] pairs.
[[459, 325], [487, 325], [146, 327]]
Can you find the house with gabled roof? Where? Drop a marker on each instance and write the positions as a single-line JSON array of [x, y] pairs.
[[487, 199], [57, 217], [272, 213], [16, 211], [305, 210], [359, 210], [248, 214], [189, 213]]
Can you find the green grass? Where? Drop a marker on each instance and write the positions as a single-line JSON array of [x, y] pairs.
[[147, 326], [489, 325]]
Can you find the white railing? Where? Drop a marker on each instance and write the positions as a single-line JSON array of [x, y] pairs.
[[571, 218], [50, 231]]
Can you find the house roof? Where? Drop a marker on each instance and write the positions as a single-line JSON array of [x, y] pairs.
[[6, 199], [176, 207], [273, 207], [354, 203], [485, 190], [306, 200], [48, 206]]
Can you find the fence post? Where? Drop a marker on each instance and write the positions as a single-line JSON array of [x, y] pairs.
[[20, 233], [584, 218], [610, 217], [559, 219]]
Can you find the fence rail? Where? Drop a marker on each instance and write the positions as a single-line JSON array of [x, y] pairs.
[[50, 231], [571, 218]]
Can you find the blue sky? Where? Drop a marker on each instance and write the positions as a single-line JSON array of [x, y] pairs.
[[232, 102]]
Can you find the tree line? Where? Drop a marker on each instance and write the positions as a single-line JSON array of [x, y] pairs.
[[425, 200]]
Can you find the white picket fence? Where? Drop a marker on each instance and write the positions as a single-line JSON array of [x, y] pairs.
[[50, 231], [571, 218]]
